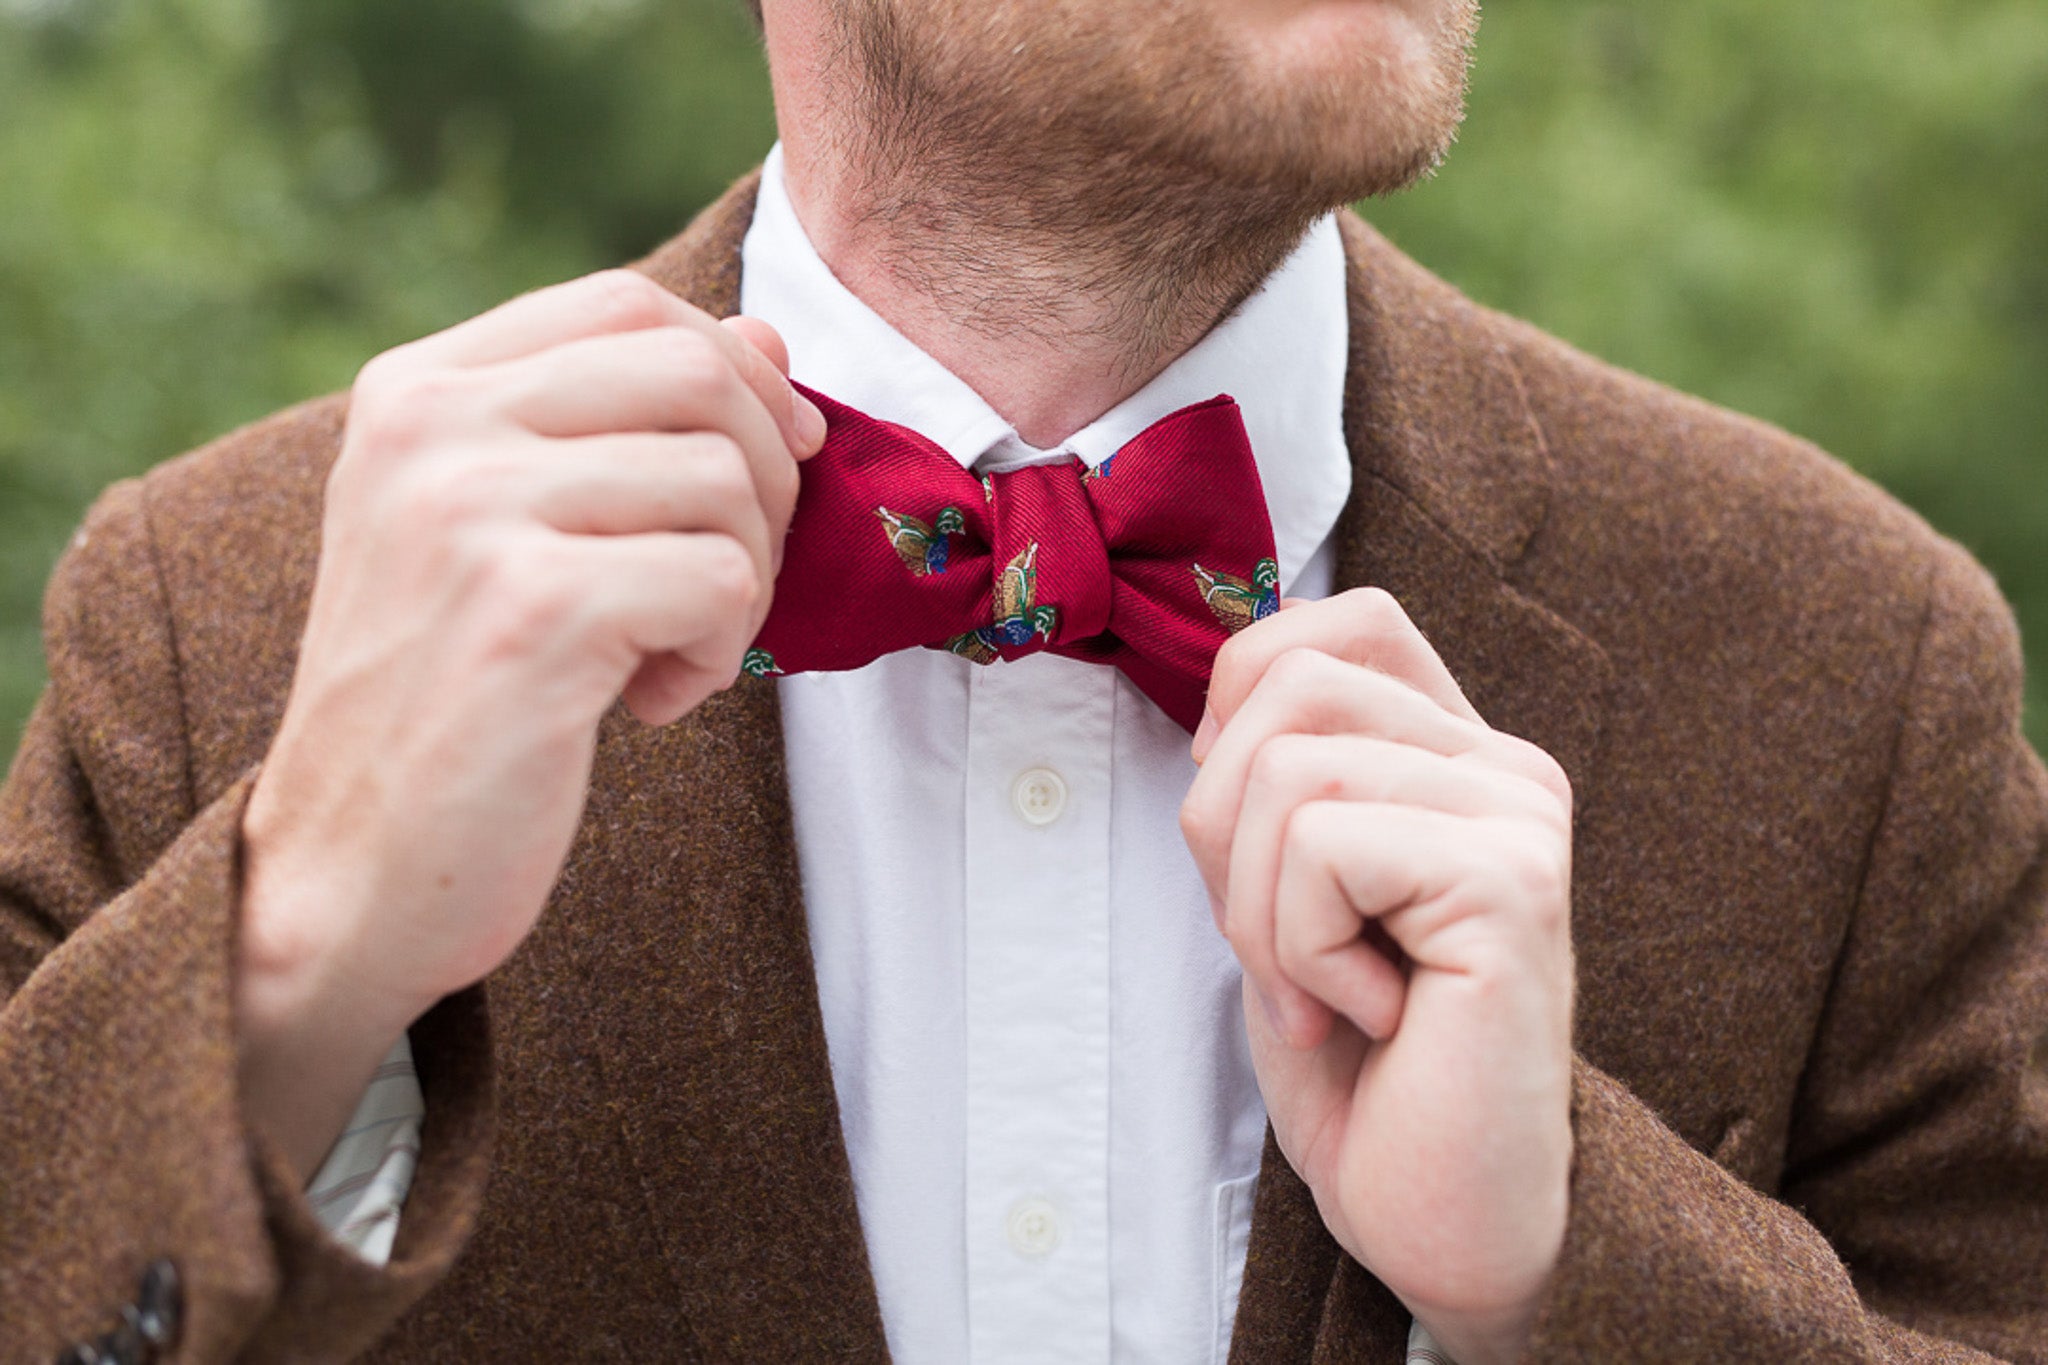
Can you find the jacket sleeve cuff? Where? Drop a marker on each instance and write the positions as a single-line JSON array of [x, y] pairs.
[[1668, 1257], [329, 1292], [122, 1143]]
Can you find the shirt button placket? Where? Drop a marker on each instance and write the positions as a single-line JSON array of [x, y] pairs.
[[1036, 954]]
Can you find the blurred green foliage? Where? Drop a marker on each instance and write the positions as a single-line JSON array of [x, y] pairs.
[[1834, 215]]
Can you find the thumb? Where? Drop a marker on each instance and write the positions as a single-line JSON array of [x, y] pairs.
[[804, 424], [765, 339]]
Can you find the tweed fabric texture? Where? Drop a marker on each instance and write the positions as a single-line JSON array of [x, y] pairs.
[[1811, 1100]]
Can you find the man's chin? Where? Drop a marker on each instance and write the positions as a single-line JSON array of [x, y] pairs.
[[1326, 167], [1370, 109]]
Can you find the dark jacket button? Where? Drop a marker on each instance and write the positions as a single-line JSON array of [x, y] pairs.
[[126, 1345], [122, 1346], [131, 1330], [160, 1305]]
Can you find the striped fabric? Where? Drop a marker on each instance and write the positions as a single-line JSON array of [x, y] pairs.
[[1422, 1348], [360, 1188]]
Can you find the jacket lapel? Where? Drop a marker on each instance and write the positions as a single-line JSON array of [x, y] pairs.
[[682, 900], [1449, 489], [682, 912]]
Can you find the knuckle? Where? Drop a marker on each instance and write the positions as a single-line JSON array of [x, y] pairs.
[[443, 501], [1227, 672], [628, 301], [700, 371], [1298, 668], [1302, 835], [1538, 874], [1378, 610], [1557, 782], [728, 479], [1536, 764], [729, 575], [1295, 956], [1284, 766], [377, 374], [1197, 823], [729, 657], [528, 603], [401, 410], [788, 478], [1244, 939]]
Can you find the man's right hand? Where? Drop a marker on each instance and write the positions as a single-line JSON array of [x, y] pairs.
[[579, 496]]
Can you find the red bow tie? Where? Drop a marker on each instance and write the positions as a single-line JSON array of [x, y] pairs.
[[1147, 562]]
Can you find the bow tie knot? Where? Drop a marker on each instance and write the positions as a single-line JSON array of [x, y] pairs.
[[1148, 561], [1040, 599]]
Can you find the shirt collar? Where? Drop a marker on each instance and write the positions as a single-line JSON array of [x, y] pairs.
[[1282, 355]]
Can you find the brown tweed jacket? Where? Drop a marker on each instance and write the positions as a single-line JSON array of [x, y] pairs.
[[1812, 1102]]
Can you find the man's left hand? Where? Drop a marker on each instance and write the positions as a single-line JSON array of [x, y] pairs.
[[1395, 877]]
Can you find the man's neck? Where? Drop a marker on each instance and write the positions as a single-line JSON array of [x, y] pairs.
[[1053, 300]]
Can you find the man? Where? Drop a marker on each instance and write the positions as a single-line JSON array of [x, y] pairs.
[[1622, 834]]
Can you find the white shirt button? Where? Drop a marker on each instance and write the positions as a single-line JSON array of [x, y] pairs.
[[1039, 794], [1034, 1227]]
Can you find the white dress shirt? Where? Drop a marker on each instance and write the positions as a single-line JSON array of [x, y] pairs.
[[1035, 1030]]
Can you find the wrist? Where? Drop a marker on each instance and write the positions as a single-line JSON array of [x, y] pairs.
[[310, 1031]]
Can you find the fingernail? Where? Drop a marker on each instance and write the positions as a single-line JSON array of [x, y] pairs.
[[810, 424], [1205, 735]]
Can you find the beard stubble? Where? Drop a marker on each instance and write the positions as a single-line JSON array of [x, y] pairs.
[[1128, 153]]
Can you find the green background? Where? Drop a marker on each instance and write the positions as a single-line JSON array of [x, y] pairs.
[[1833, 215]]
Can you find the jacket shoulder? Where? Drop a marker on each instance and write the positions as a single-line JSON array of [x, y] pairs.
[[1716, 558], [220, 547], [1746, 583], [1692, 513]]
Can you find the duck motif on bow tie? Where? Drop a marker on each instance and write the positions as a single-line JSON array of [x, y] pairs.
[[1018, 618], [1238, 602], [922, 546]]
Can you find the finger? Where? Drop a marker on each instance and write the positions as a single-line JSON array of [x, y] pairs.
[[667, 687], [1303, 942], [1484, 899], [613, 303], [764, 338], [1293, 770], [1364, 626], [581, 614], [637, 483], [609, 302], [694, 594], [1302, 1088], [1309, 692], [1328, 947], [688, 619], [667, 380]]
